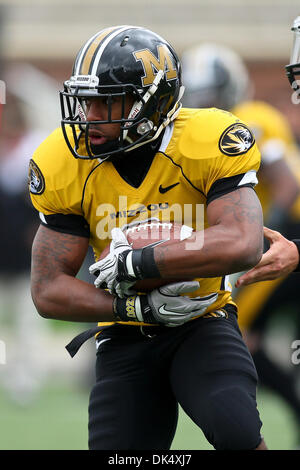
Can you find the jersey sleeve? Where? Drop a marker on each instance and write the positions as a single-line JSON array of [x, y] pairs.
[[72, 224], [221, 154], [225, 185], [226, 174], [54, 188]]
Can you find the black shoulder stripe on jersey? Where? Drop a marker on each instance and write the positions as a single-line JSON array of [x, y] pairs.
[[85, 183], [67, 223], [182, 172], [226, 185]]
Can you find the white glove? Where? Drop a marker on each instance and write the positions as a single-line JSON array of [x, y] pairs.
[[107, 270], [164, 305]]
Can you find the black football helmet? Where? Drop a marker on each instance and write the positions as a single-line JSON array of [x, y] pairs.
[[118, 61], [293, 69]]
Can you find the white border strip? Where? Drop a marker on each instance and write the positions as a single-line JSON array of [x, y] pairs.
[[88, 43], [166, 138], [42, 217], [249, 177], [106, 42]]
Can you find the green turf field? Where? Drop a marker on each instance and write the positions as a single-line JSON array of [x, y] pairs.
[[57, 420]]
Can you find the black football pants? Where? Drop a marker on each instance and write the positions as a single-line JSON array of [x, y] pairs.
[[203, 365]]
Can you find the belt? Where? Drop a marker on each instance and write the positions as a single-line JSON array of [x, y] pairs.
[[148, 331], [78, 341]]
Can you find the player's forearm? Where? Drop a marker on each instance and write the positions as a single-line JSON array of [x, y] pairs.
[[56, 292], [70, 299], [216, 251]]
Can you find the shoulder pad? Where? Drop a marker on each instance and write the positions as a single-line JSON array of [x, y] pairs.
[[212, 132], [54, 162]]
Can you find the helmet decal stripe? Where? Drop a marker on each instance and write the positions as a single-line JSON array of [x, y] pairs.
[[105, 43], [89, 52], [81, 54]]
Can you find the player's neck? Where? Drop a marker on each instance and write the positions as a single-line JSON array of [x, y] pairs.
[[134, 166]]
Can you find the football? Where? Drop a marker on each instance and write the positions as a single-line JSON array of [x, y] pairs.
[[142, 234]]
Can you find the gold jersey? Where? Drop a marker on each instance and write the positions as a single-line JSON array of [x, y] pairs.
[[203, 154], [275, 140]]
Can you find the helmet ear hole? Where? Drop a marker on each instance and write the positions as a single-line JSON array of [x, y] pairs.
[[164, 105], [161, 104], [125, 41]]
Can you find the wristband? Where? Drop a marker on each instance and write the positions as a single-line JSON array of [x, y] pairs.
[[297, 243], [143, 263], [137, 264], [133, 308], [125, 267]]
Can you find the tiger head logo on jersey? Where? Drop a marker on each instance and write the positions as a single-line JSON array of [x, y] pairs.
[[126, 63], [236, 140], [36, 180]]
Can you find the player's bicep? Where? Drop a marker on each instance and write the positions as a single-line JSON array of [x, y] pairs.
[[240, 211], [55, 253]]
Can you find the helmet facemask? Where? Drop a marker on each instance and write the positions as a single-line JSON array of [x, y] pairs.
[[149, 115]]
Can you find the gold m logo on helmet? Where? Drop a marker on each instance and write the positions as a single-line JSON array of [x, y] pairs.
[[150, 63]]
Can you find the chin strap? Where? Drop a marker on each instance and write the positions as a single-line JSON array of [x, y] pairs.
[[137, 105], [172, 114]]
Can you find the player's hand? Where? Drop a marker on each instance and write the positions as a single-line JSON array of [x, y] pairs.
[[281, 259], [112, 269], [164, 305]]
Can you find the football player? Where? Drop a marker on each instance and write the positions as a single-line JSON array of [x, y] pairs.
[[128, 151], [226, 83], [283, 256]]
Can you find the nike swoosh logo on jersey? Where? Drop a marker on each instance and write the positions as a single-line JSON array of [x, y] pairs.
[[167, 188]]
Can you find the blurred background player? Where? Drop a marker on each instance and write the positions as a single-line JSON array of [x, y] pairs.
[[215, 76], [23, 331], [283, 255], [20, 326]]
